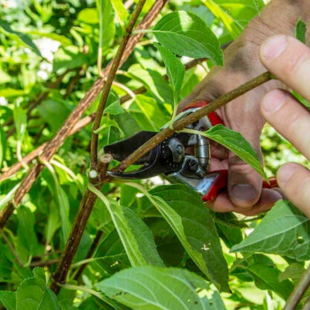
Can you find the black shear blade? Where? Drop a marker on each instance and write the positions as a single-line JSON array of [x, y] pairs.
[[122, 149], [149, 170]]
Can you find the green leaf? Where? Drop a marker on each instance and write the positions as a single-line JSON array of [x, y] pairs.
[[62, 201], [192, 222], [175, 70], [88, 16], [21, 38], [147, 287], [283, 231], [300, 31], [10, 92], [6, 263], [8, 300], [235, 15], [148, 113], [111, 255], [54, 113], [20, 119], [27, 241], [185, 34], [4, 77], [267, 278], [293, 272], [69, 57], [136, 237], [2, 145], [6, 198], [120, 11], [153, 81], [113, 104], [33, 293], [53, 222], [230, 233], [110, 123], [235, 142], [106, 20]]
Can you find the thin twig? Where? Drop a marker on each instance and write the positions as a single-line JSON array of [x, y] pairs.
[[107, 86], [89, 254], [45, 263], [52, 147], [12, 248], [298, 291]]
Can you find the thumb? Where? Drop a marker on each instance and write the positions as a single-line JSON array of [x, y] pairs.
[[244, 183]]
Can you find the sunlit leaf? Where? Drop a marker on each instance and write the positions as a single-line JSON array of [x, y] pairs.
[[148, 114], [106, 21], [21, 38], [235, 15], [120, 10], [148, 287], [284, 231], [185, 34]]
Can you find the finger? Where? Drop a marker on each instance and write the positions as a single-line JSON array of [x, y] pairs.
[[244, 183], [294, 180], [289, 118], [268, 198], [289, 60]]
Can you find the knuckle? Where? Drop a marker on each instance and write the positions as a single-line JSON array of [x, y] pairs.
[[295, 61], [296, 124], [304, 190]]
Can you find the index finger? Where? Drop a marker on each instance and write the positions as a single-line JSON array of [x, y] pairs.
[[289, 60]]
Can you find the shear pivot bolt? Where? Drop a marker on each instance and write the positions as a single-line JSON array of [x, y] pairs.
[[179, 149]]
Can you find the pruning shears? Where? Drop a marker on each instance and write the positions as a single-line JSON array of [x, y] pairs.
[[169, 158]]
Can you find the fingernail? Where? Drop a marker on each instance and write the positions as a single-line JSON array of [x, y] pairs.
[[285, 173], [243, 192], [273, 47], [274, 100]]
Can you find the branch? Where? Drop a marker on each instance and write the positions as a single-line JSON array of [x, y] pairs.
[[182, 123], [45, 263], [52, 147], [298, 291], [109, 81]]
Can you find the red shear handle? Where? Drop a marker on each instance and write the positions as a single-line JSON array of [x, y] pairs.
[[221, 181], [213, 117]]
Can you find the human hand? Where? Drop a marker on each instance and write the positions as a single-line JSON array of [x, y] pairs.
[[244, 193], [289, 60]]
